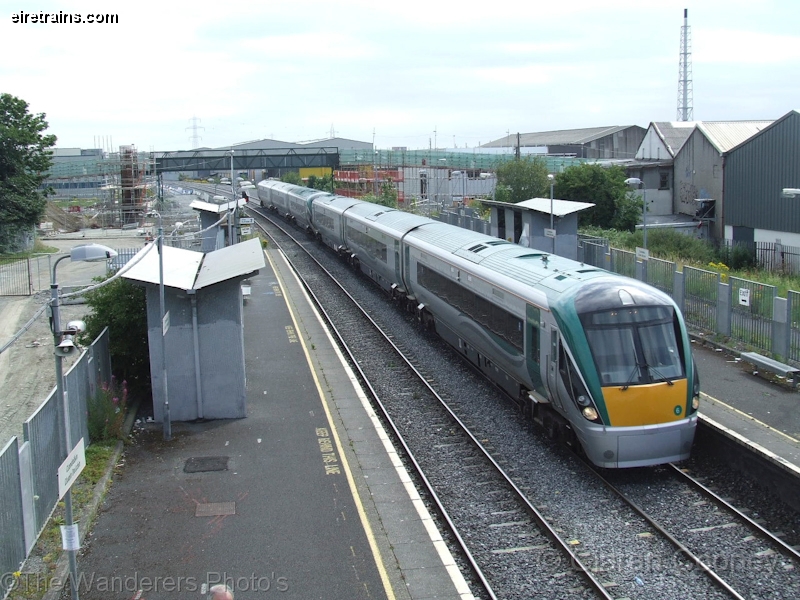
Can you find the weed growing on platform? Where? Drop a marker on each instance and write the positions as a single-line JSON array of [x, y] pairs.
[[107, 411]]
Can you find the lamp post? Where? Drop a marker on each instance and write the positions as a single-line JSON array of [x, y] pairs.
[[233, 198], [166, 419], [64, 346], [439, 186], [233, 180], [635, 182], [552, 179]]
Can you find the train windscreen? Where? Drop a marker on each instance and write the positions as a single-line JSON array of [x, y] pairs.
[[634, 345]]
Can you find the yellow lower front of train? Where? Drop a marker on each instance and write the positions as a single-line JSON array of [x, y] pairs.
[[648, 426], [646, 404]]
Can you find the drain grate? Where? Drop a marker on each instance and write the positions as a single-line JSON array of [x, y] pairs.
[[215, 509], [202, 464]]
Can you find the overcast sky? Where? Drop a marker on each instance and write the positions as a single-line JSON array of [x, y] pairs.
[[402, 72]]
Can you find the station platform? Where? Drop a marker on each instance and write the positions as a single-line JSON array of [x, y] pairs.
[[305, 498], [747, 409]]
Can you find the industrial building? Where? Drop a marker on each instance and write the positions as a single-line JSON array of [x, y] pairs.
[[756, 172], [593, 142]]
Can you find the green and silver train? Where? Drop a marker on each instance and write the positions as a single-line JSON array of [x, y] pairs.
[[600, 360]]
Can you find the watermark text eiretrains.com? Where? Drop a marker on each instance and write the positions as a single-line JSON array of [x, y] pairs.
[[61, 18]]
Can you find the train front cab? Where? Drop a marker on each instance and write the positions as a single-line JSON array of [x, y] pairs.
[[640, 385]]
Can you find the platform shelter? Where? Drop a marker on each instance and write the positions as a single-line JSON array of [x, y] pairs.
[[204, 339]]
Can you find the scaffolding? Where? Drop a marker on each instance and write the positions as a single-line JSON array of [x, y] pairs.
[[121, 183]]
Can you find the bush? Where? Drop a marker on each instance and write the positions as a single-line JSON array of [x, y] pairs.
[[107, 411], [739, 257], [121, 306]]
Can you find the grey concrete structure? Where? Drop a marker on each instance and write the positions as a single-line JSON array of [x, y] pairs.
[[204, 343], [524, 223]]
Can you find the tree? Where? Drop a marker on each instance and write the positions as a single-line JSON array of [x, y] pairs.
[[292, 177], [615, 206], [522, 179], [25, 158], [121, 306], [324, 183], [387, 196]]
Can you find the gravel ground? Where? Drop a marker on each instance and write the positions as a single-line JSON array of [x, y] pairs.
[[27, 367]]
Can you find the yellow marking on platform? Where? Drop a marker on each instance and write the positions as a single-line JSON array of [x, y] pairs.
[[373, 544], [749, 417]]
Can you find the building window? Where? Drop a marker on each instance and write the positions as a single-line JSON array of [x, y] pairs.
[[663, 181]]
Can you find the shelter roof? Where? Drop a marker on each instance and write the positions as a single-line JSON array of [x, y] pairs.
[[215, 208], [190, 270], [560, 207]]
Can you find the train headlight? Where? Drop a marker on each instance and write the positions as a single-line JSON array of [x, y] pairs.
[[696, 402], [590, 413], [583, 400]]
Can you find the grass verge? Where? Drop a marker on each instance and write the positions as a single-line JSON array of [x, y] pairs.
[[43, 574]]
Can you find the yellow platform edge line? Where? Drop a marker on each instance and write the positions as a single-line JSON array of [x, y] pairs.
[[750, 418], [373, 544]]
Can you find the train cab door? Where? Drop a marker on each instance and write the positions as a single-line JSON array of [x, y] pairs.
[[552, 369]]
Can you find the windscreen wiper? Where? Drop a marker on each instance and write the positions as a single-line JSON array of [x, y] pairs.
[[636, 369], [658, 374]]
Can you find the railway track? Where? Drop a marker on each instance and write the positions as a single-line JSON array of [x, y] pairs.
[[735, 550], [523, 547], [514, 528]]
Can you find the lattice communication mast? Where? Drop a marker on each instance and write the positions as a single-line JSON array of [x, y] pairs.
[[685, 72]]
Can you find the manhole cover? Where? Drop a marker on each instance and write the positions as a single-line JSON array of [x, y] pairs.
[[201, 464], [215, 509]]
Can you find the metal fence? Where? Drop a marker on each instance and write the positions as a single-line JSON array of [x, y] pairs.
[[752, 306], [28, 482], [24, 276], [700, 293], [12, 541], [771, 256], [594, 253], [661, 274], [623, 262], [27, 276]]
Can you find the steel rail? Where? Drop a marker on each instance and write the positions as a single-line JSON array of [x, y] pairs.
[[724, 585], [788, 550]]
